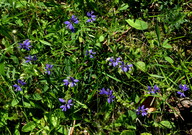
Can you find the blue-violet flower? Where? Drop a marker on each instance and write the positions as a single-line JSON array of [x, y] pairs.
[[153, 90], [90, 53], [92, 17], [70, 23], [18, 88], [31, 58], [142, 110], [109, 93], [181, 94], [113, 62], [67, 104], [183, 89], [21, 82], [48, 67], [25, 45], [125, 67], [71, 82]]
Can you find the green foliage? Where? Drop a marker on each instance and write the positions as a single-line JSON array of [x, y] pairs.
[[154, 36]]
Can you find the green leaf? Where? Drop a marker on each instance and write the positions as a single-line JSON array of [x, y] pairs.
[[132, 114], [116, 1], [157, 33], [131, 127], [166, 45], [101, 38], [37, 96], [157, 76], [14, 102], [29, 126], [117, 124], [128, 132], [124, 6], [21, 3], [155, 124], [45, 42], [168, 59], [145, 134], [137, 99], [137, 24], [81, 40], [83, 105], [2, 69], [27, 105], [54, 121], [16, 132], [141, 65], [167, 124]]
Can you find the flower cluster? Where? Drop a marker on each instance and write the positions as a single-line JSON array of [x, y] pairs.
[[90, 53], [48, 68], [142, 110], [71, 22], [31, 58], [74, 20], [92, 17], [18, 87], [109, 94], [114, 62], [25, 45], [153, 90], [118, 63], [125, 67], [183, 89], [67, 104], [71, 82]]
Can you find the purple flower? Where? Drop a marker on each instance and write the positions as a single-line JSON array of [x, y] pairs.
[[125, 67], [25, 45], [110, 96], [103, 91], [71, 82], [67, 104], [142, 110], [21, 82], [181, 94], [31, 58], [18, 88], [183, 87], [92, 17], [113, 62], [70, 23], [153, 90], [48, 67], [90, 52], [109, 93]]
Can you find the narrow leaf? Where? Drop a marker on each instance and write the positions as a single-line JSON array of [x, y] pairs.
[[2, 69], [157, 76], [45, 42]]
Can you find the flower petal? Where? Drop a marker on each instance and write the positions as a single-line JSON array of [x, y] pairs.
[[61, 100]]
